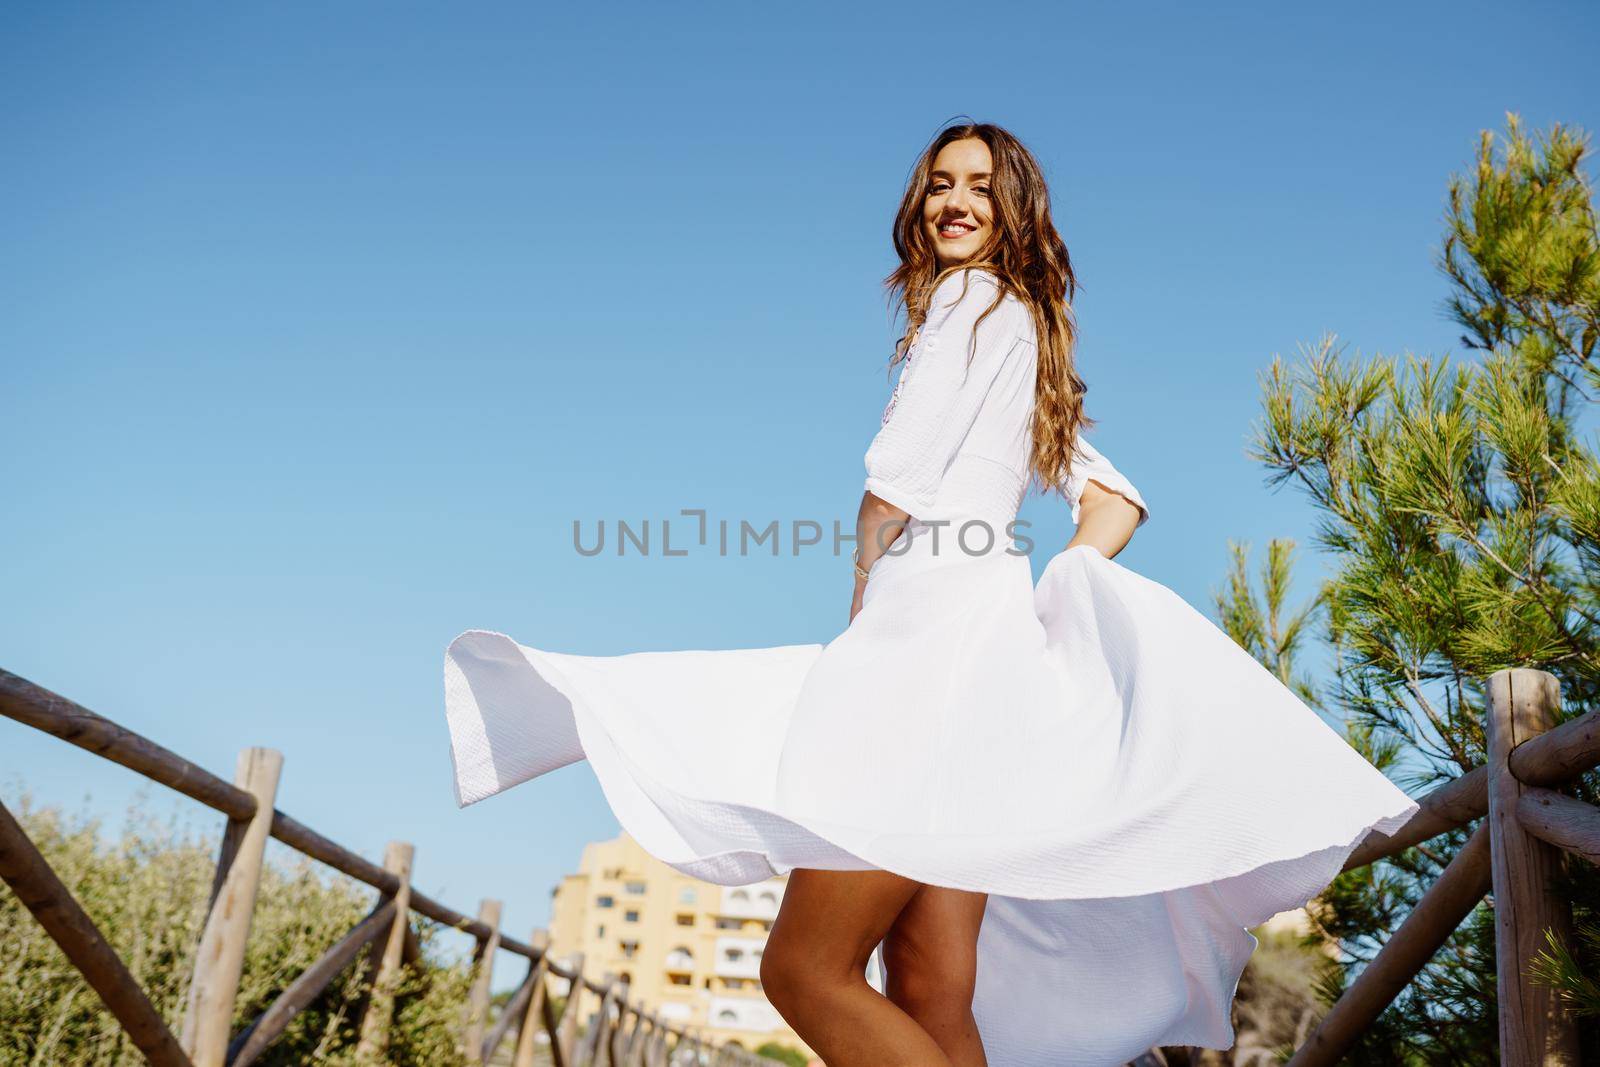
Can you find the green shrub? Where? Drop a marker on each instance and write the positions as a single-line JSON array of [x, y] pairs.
[[786, 1054], [147, 891]]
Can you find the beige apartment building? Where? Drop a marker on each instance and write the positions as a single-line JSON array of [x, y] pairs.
[[690, 949]]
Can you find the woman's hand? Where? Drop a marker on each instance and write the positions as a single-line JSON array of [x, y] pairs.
[[1106, 520]]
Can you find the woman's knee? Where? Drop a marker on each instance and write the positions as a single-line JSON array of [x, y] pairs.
[[826, 930], [793, 969], [782, 971]]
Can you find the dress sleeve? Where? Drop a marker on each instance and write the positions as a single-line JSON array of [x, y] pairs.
[[1089, 465], [940, 393]]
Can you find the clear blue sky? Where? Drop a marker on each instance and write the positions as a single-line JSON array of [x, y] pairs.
[[322, 323]]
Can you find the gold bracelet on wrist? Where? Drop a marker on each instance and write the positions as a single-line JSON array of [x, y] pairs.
[[855, 561]]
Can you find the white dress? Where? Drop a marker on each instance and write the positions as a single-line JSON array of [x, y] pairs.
[[1131, 788]]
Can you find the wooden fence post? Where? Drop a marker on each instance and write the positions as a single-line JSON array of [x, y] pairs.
[[594, 1040], [618, 1043], [219, 961], [1535, 1030], [528, 1026], [483, 974], [567, 1043], [643, 1034], [624, 1039], [374, 1044], [647, 1055]]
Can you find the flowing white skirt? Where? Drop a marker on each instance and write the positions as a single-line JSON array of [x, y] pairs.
[[1130, 787]]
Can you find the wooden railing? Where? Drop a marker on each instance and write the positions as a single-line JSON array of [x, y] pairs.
[[1513, 854], [619, 1033]]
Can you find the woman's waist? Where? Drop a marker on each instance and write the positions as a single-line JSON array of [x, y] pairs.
[[977, 488], [924, 543], [961, 534], [960, 552]]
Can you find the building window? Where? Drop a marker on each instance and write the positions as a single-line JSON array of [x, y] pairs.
[[630, 916], [602, 931], [687, 895], [630, 949], [733, 955], [680, 979], [635, 889], [685, 920], [741, 895], [769, 897], [680, 959], [604, 901], [730, 924], [727, 1015]]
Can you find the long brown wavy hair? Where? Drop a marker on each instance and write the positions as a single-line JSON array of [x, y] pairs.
[[1030, 259]]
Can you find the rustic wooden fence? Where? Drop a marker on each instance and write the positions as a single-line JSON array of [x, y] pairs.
[[619, 1033], [1513, 854]]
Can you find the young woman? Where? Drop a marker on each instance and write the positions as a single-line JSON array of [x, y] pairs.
[[1054, 808]]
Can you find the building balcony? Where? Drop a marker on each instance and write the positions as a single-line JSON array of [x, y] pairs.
[[759, 901], [738, 957], [752, 1013]]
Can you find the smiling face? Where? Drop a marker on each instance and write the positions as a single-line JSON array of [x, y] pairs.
[[958, 214]]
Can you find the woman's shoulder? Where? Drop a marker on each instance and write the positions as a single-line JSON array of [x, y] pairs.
[[969, 291], [966, 280]]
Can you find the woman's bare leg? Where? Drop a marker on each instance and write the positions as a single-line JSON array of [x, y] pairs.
[[931, 956], [813, 969]]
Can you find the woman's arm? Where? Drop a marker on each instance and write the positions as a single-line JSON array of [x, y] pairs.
[[1105, 520], [1105, 505], [878, 524]]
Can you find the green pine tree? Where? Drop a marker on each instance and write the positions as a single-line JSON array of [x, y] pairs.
[[1261, 629], [1458, 505]]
